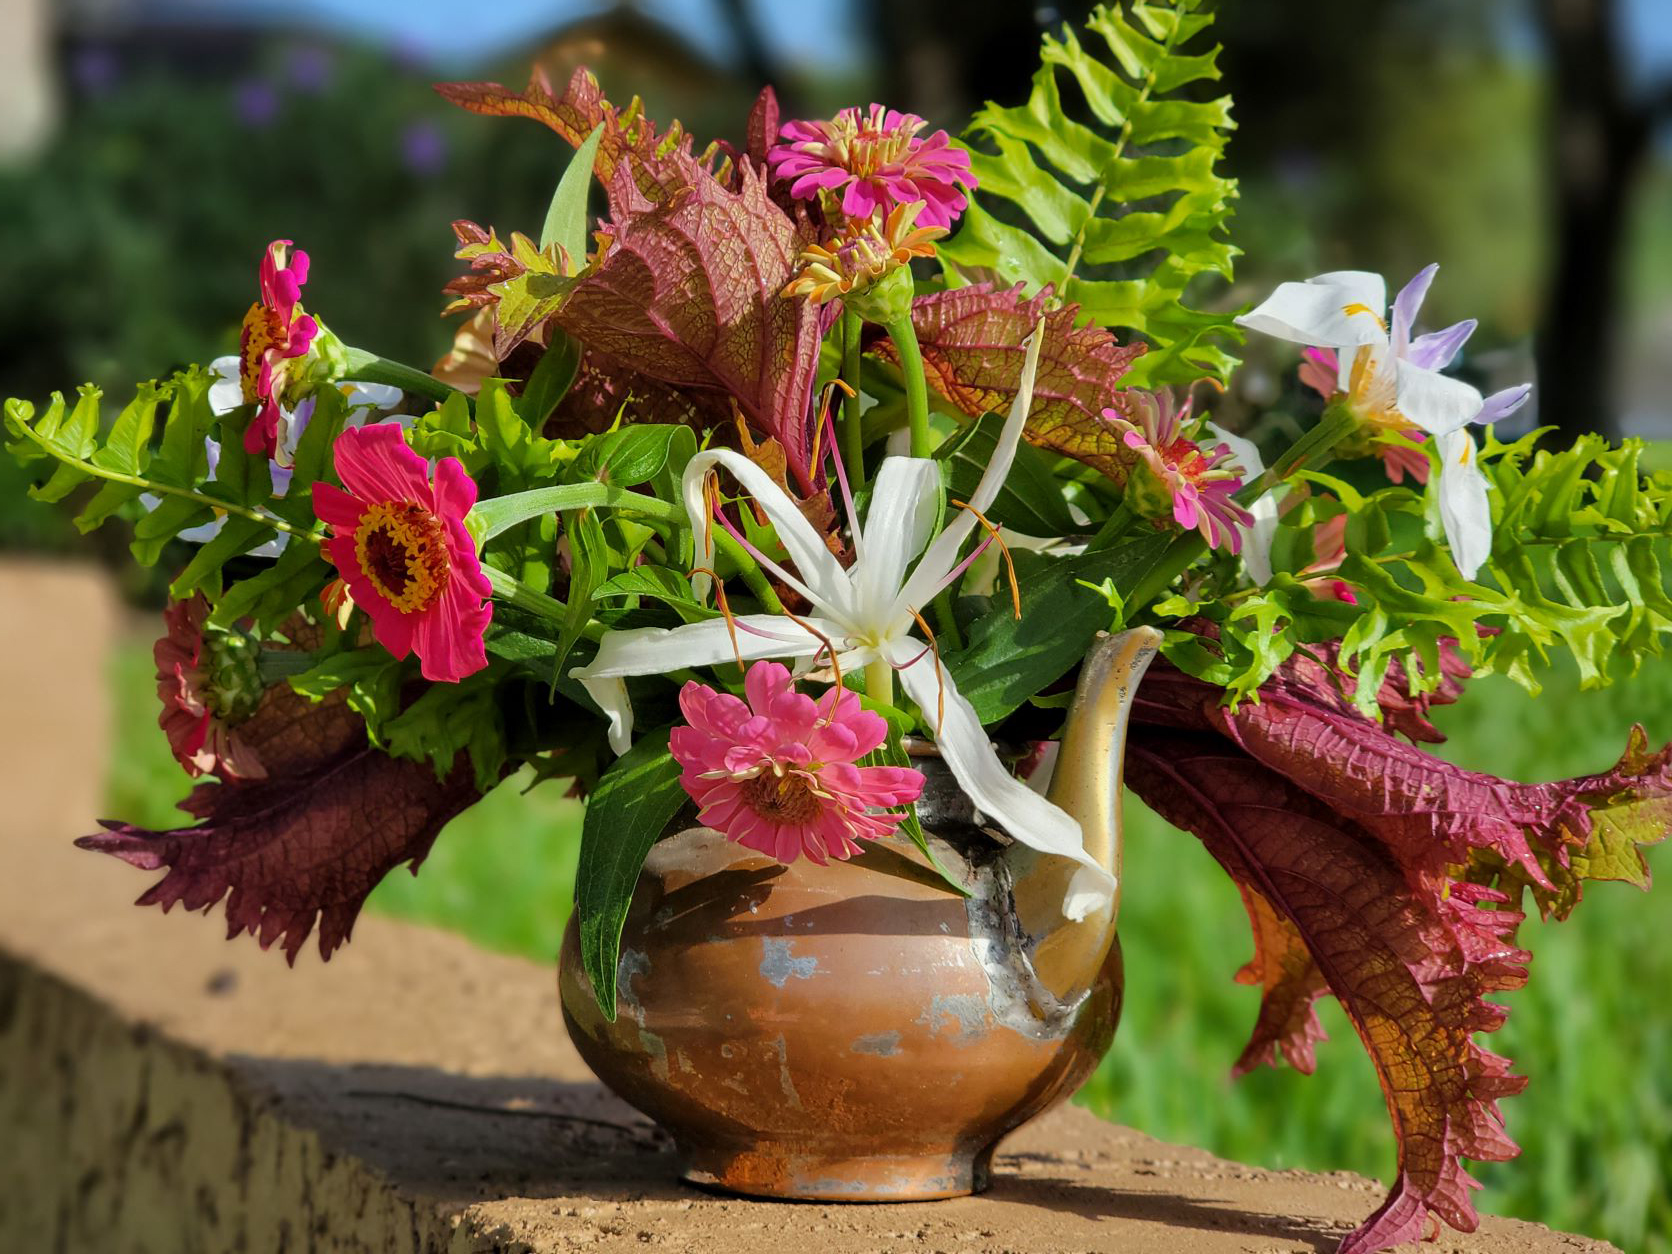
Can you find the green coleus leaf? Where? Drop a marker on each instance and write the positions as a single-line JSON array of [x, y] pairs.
[[625, 815], [659, 583], [1117, 204], [1008, 658]]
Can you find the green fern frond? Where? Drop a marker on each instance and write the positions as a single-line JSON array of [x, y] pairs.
[[1120, 215]]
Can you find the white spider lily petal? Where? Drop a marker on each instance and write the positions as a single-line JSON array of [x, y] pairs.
[[1434, 402], [1342, 309], [904, 506], [865, 612], [1023, 813], [1464, 508], [1257, 538], [822, 578], [942, 554]]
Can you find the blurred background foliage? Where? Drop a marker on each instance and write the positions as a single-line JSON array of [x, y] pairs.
[[149, 149]]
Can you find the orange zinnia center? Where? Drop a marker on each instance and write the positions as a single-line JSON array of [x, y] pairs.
[[402, 548], [264, 330]]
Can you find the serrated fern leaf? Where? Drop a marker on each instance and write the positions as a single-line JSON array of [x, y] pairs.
[[1122, 212], [154, 449]]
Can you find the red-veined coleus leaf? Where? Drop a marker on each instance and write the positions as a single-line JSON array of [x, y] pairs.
[[307, 843], [687, 291], [1367, 866], [686, 287], [972, 343]]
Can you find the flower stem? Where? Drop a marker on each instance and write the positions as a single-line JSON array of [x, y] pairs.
[[1337, 423], [853, 435], [753, 575], [879, 681], [511, 589], [215, 503], [917, 389], [364, 367]]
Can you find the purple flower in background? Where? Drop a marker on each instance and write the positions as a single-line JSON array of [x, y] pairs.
[[308, 68], [424, 148], [95, 70], [256, 103]]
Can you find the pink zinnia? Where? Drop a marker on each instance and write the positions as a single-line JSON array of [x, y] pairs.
[[208, 684], [876, 159], [401, 546], [777, 773], [275, 334], [1197, 486]]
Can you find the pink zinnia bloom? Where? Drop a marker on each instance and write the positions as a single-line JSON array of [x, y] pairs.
[[1197, 486], [777, 773], [208, 684], [876, 160], [275, 334], [402, 549]]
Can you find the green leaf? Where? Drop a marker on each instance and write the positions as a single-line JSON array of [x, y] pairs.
[[237, 536], [447, 719], [660, 584], [1121, 211], [1031, 499], [370, 679], [626, 814], [551, 379], [629, 456], [271, 595], [565, 223], [1009, 659]]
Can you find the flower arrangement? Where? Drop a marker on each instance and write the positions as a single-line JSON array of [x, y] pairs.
[[918, 418]]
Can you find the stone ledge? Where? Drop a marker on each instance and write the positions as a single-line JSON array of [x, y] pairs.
[[163, 1091]]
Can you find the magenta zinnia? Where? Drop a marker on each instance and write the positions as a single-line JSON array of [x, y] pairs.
[[1177, 476], [400, 544], [275, 334], [777, 773], [875, 159], [208, 684]]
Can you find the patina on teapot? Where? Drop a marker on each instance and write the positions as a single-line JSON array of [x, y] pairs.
[[859, 1031]]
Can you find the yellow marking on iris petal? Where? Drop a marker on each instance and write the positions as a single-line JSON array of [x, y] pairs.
[[402, 549], [1359, 307]]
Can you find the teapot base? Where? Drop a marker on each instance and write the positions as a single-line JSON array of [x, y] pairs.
[[803, 1172]]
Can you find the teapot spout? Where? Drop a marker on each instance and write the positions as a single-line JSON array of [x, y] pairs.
[[1066, 955]]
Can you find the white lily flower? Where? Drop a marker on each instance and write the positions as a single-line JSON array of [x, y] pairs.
[[1388, 376], [1464, 509], [867, 613], [226, 394]]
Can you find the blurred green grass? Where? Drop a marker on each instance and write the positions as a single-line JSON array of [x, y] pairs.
[[1594, 1029]]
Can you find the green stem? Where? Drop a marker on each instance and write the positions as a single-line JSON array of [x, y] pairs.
[[1113, 529], [511, 589], [879, 681], [917, 389], [753, 575], [853, 435], [1337, 423], [364, 367], [95, 471], [500, 513]]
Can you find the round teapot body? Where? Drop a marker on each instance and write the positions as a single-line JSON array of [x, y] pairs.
[[856, 1031]]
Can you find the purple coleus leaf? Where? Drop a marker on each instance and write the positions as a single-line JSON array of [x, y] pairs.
[[1377, 872], [688, 291], [307, 843], [685, 292]]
